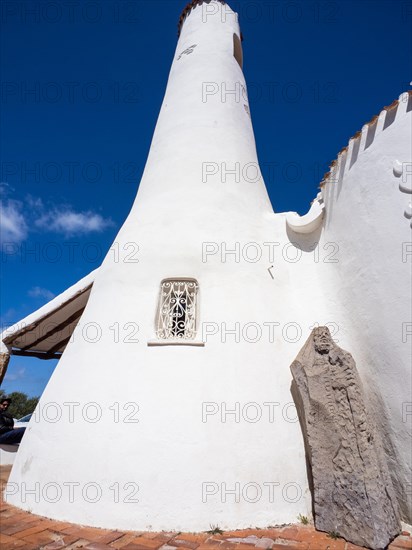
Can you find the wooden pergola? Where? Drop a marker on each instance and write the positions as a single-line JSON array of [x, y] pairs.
[[46, 332]]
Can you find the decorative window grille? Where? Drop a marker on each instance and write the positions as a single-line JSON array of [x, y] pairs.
[[176, 319]]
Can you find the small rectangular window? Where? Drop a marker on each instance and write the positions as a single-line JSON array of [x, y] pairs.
[[176, 318], [237, 50]]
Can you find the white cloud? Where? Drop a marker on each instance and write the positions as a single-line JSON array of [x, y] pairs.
[[69, 222], [16, 375], [38, 292], [4, 188], [17, 218], [13, 225], [34, 203]]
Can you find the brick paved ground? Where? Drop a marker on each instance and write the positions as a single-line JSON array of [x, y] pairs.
[[29, 532]]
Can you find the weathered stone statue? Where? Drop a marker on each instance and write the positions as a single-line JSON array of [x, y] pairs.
[[352, 489]]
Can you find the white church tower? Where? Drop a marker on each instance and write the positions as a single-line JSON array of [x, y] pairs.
[[171, 406]]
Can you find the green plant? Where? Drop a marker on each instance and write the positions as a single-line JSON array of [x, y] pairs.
[[333, 535], [21, 404], [303, 519], [215, 530]]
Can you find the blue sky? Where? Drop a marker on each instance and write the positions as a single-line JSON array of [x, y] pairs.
[[82, 85]]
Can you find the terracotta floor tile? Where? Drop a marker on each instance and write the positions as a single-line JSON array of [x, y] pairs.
[[148, 534], [110, 537], [80, 543], [9, 521], [30, 531], [404, 543], [328, 544], [42, 538], [60, 525], [96, 534], [72, 528], [69, 539], [240, 533], [193, 537], [45, 521], [97, 546], [54, 545], [88, 533], [23, 545], [18, 515], [289, 533], [213, 539], [225, 545], [182, 542], [147, 543], [260, 533], [23, 519], [122, 541], [267, 533], [164, 538], [25, 531], [291, 545], [241, 546], [61, 541], [13, 528], [5, 472], [317, 539], [36, 527], [5, 538], [7, 513]]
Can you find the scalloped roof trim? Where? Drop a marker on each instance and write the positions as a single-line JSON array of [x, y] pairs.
[[405, 97]]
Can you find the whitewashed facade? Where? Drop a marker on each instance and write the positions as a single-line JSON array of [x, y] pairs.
[[171, 406]]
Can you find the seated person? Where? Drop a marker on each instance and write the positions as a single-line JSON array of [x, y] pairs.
[[8, 434]]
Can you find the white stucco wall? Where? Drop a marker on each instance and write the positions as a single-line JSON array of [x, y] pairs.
[[178, 464], [7, 454], [365, 215]]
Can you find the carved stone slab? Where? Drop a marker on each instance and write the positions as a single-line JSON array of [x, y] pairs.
[[4, 361], [352, 490]]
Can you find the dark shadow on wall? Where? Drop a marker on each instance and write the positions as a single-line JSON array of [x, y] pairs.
[[390, 116], [355, 151], [342, 167], [371, 134], [305, 242], [302, 421]]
